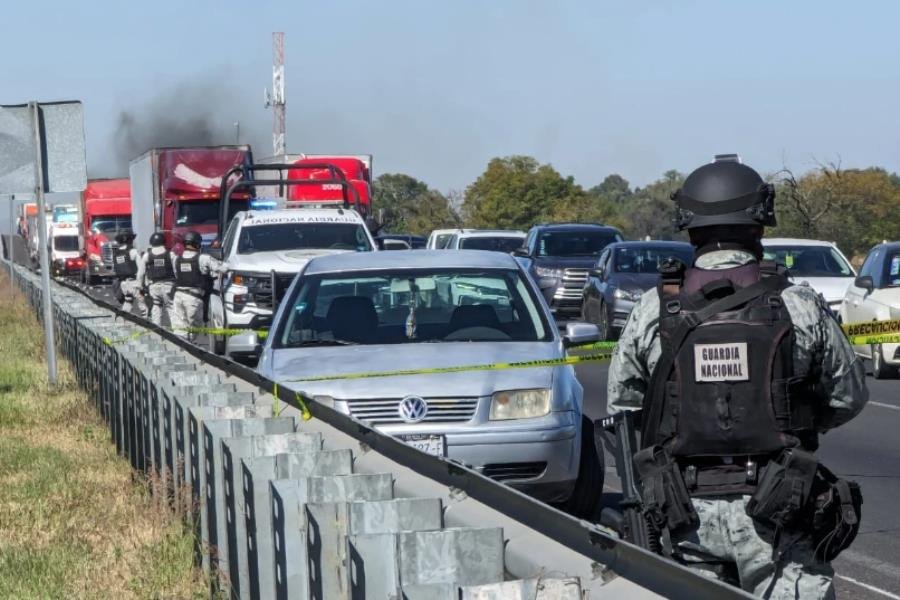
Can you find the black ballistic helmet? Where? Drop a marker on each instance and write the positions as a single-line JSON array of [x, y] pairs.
[[192, 239], [124, 237], [157, 239], [724, 192]]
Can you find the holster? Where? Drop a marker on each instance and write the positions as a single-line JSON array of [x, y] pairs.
[[665, 496], [782, 497], [837, 512]]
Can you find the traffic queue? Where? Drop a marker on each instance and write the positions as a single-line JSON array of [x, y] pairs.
[[463, 344]]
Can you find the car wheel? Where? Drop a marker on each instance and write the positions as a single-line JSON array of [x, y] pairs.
[[879, 369], [603, 322], [588, 491]]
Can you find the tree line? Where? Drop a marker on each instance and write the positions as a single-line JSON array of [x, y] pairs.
[[856, 208]]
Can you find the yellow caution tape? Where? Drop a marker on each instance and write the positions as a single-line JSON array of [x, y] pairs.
[[261, 333], [527, 364], [304, 409], [865, 340], [871, 328]]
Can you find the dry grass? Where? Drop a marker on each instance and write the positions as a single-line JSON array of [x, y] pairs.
[[74, 521]]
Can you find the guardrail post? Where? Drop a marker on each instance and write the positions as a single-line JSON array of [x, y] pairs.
[[233, 451], [296, 540], [257, 473], [213, 431]]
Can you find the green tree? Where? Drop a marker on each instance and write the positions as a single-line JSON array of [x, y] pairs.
[[855, 208], [650, 210], [614, 188], [410, 206], [515, 192]]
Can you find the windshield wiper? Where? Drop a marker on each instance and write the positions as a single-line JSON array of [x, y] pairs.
[[325, 343]]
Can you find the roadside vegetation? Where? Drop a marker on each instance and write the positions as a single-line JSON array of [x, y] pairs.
[[74, 521]]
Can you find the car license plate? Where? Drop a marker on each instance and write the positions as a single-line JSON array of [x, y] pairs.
[[435, 445]]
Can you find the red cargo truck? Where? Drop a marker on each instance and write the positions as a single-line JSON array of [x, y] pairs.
[[176, 190], [356, 170], [105, 211]]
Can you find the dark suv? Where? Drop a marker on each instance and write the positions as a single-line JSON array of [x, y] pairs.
[[559, 256]]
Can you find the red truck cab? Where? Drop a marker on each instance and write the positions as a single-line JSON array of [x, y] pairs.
[[354, 170], [177, 190], [105, 211]]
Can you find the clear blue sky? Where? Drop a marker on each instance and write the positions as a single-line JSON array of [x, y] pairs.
[[435, 89]]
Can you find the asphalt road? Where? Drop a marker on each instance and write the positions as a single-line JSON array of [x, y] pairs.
[[867, 450]]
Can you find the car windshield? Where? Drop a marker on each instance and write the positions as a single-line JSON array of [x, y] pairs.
[[300, 236], [575, 242], [106, 223], [65, 243], [809, 261], [441, 240], [206, 212], [413, 306], [497, 244], [647, 259]]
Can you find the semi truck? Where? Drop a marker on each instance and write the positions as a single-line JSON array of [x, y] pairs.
[[105, 211], [356, 169], [176, 190]]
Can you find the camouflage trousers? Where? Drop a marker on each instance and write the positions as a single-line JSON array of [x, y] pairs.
[[727, 536]]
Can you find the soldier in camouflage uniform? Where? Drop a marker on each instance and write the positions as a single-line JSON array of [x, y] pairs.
[[727, 541]]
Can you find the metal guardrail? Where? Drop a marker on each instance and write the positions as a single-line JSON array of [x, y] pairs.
[[179, 412]]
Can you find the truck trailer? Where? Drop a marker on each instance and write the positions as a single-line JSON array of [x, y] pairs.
[[105, 211], [176, 190]]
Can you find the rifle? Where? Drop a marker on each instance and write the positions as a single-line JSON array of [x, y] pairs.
[[631, 520]]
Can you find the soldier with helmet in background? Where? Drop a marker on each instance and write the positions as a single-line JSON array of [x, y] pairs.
[[129, 271], [736, 372], [159, 277], [194, 273]]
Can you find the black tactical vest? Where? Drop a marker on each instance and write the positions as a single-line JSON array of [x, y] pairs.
[[123, 265], [159, 266], [187, 272], [724, 385]]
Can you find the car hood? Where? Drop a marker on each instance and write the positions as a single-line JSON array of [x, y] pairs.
[[286, 261], [634, 281], [566, 262], [832, 288], [290, 365]]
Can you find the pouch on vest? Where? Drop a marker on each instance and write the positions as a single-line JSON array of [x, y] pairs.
[[663, 491], [784, 491], [837, 512]]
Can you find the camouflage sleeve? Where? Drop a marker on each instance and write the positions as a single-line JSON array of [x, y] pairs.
[[635, 355], [210, 266], [822, 345]]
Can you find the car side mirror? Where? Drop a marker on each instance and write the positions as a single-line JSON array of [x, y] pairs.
[[522, 252], [216, 253], [578, 334], [380, 244], [598, 273], [865, 282], [244, 348]]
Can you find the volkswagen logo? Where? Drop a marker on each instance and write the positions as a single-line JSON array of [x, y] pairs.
[[412, 409]]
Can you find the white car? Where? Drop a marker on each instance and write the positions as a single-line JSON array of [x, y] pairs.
[[817, 263], [264, 249], [439, 238], [497, 240], [875, 296]]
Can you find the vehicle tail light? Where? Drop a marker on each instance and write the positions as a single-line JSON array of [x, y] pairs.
[[74, 263]]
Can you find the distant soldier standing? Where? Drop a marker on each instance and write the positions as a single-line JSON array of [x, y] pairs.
[[159, 277], [129, 271], [193, 276], [736, 372]]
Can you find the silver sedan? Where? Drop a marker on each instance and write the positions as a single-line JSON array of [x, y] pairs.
[[421, 309]]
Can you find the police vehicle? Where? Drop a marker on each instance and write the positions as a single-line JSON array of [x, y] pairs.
[[265, 247]]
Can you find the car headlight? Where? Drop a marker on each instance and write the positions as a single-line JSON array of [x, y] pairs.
[[520, 404], [546, 272], [248, 280], [623, 294]]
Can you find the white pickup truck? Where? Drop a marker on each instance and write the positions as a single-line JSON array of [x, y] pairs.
[[264, 249]]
